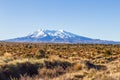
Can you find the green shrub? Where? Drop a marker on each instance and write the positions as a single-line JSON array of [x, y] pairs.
[[108, 52], [40, 54]]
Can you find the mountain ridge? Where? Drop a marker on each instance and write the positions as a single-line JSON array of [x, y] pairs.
[[58, 36]]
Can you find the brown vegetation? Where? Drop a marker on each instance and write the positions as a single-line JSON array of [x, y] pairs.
[[41, 61]]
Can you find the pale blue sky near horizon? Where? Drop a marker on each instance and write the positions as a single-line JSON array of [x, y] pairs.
[[98, 19]]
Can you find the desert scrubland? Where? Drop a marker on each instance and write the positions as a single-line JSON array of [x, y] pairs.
[[47, 61]]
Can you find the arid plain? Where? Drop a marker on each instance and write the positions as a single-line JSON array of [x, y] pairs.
[[41, 61]]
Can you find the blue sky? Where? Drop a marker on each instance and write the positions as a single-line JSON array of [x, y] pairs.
[[92, 18]]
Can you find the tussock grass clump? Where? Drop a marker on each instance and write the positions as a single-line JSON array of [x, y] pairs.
[[40, 54], [108, 52], [88, 65], [55, 63], [11, 70]]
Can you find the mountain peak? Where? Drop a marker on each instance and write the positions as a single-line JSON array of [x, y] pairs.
[[40, 30], [38, 33], [56, 33], [61, 30]]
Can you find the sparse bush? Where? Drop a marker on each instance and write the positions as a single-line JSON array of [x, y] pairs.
[[14, 71], [88, 65], [40, 54], [27, 55], [108, 52], [54, 64]]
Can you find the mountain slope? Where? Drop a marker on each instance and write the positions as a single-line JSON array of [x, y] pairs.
[[58, 36]]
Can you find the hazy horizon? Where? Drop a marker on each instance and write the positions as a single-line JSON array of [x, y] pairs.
[[97, 19]]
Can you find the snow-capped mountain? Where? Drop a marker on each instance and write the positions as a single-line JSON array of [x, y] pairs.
[[58, 36], [53, 33]]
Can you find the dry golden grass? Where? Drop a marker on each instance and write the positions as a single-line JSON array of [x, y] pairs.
[[40, 61]]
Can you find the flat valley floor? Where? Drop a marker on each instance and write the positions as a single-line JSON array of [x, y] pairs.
[[47, 61]]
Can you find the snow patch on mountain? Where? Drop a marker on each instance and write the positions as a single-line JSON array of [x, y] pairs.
[[53, 33]]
